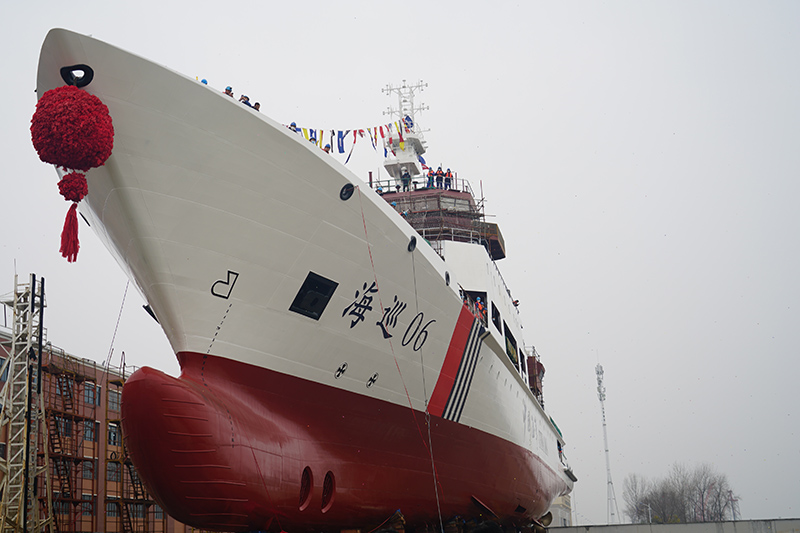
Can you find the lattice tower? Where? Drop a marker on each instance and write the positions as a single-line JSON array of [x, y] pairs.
[[21, 417], [612, 514]]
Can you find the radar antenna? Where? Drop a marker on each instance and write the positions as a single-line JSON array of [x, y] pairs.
[[613, 511], [405, 101], [408, 145]]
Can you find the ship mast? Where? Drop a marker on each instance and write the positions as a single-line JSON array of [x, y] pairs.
[[404, 144], [405, 101], [613, 512], [445, 212]]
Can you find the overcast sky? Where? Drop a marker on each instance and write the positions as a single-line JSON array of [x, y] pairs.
[[641, 158]]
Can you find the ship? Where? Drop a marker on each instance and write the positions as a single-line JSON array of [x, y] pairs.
[[350, 355]]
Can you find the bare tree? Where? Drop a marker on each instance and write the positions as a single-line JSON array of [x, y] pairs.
[[680, 480], [634, 491], [710, 492], [665, 502], [684, 495]]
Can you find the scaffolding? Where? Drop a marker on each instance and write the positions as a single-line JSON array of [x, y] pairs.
[[129, 508], [57, 473], [72, 392], [448, 215], [23, 507], [64, 467]]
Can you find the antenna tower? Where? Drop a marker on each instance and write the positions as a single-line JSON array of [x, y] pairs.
[[405, 100], [613, 511]]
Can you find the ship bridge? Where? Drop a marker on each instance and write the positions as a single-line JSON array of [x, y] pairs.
[[438, 214], [444, 214]]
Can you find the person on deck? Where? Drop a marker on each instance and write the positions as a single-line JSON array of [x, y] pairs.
[[405, 177], [293, 127], [327, 149], [480, 307], [229, 91], [448, 176], [245, 100], [439, 178], [257, 106], [431, 175]]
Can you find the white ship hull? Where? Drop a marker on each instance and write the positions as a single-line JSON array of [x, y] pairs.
[[219, 213]]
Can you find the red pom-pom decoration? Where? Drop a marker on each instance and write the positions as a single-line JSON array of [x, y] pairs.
[[69, 235], [72, 129], [73, 187]]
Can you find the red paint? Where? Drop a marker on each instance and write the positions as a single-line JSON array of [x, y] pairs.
[[452, 360], [224, 447]]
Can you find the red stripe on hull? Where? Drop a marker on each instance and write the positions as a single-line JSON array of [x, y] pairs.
[[452, 360], [224, 447]]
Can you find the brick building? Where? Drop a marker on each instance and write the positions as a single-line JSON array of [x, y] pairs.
[[93, 484]]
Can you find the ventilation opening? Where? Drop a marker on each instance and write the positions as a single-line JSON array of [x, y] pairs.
[[313, 296], [328, 492], [306, 484]]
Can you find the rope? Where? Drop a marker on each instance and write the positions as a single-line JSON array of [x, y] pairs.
[[373, 530], [107, 362], [427, 413], [416, 304], [429, 444], [380, 302], [436, 484]]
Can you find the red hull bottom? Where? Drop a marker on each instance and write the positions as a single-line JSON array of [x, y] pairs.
[[234, 447]]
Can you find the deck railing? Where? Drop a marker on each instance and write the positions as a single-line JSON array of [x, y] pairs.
[[419, 183]]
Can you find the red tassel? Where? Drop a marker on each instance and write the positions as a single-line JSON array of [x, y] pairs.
[[69, 236]]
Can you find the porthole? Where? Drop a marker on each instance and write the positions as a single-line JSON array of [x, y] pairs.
[[447, 278], [412, 244], [347, 191], [306, 484]]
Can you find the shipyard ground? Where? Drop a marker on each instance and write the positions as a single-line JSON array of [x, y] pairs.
[[781, 525]]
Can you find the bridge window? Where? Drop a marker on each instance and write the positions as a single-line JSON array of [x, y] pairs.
[[496, 318], [511, 346]]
